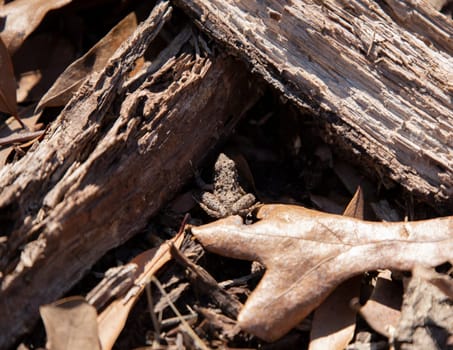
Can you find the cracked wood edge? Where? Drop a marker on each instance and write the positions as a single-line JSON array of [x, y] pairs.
[[147, 155], [132, 153], [24, 184], [379, 77]]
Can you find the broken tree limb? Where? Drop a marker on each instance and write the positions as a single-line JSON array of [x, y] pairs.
[[379, 74], [116, 153]]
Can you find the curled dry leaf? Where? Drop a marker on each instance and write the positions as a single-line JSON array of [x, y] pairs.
[[22, 18], [94, 60], [309, 253]]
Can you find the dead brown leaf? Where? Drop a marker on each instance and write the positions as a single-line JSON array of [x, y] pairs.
[[356, 207], [334, 320], [333, 323], [309, 253], [26, 82], [52, 52], [94, 60], [71, 324], [382, 310], [22, 18], [7, 82]]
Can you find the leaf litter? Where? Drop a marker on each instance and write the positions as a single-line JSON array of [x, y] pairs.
[[92, 61], [317, 244], [333, 249], [22, 19], [333, 324]]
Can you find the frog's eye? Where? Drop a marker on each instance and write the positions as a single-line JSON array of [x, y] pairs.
[[250, 218]]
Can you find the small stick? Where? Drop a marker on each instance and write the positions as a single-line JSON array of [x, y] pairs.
[[198, 342], [151, 312], [21, 137], [22, 124]]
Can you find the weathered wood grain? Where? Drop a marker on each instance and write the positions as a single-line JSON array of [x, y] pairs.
[[118, 151], [378, 74]]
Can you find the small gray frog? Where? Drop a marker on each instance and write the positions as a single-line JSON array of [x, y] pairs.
[[228, 197]]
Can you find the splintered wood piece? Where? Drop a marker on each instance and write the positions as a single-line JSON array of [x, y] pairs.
[[308, 253], [378, 74]]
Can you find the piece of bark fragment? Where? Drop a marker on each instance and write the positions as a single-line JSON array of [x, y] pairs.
[[426, 317]]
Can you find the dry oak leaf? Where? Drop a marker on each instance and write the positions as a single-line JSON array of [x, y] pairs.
[[333, 324], [309, 253]]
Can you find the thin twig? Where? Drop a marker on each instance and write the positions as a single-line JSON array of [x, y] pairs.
[[207, 285], [156, 324], [198, 342], [175, 320], [21, 137], [20, 121], [240, 280]]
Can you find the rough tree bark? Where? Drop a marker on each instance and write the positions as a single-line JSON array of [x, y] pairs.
[[378, 73], [117, 152]]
